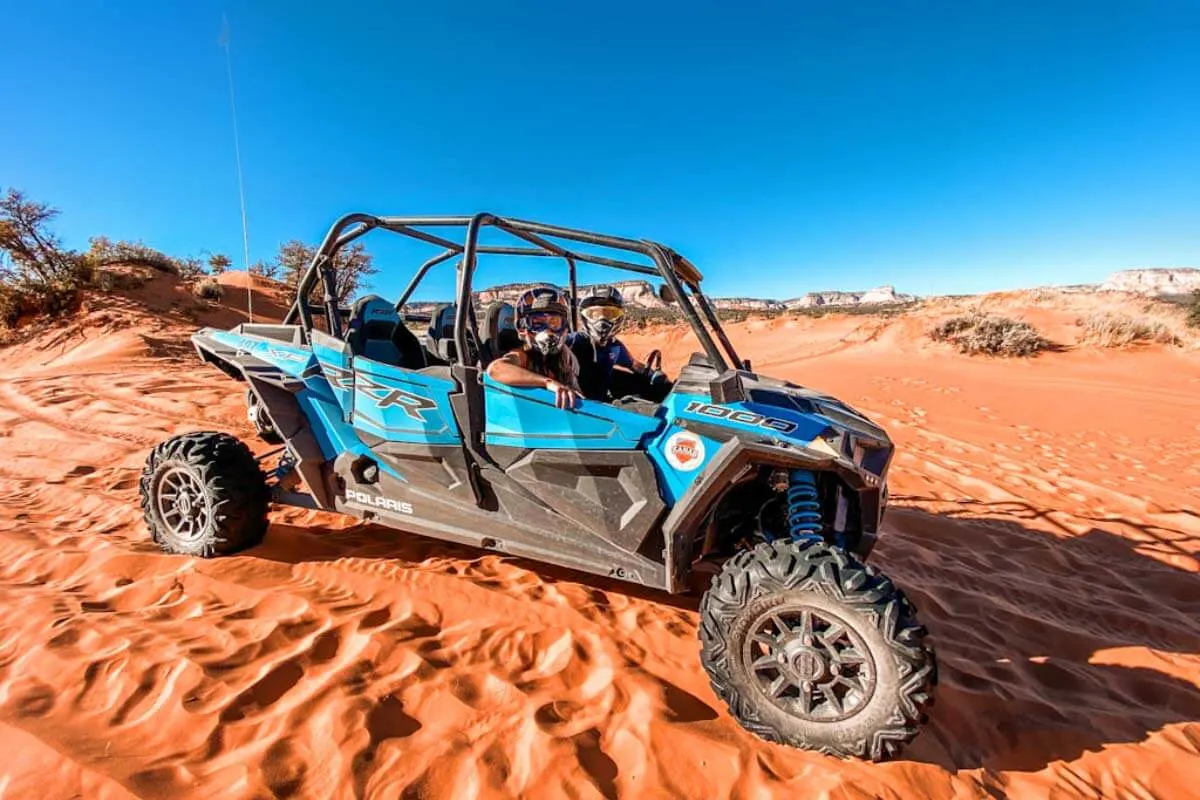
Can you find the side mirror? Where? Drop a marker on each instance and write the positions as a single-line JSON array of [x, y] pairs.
[[666, 293]]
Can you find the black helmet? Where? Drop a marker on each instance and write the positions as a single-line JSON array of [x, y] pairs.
[[542, 318], [603, 313]]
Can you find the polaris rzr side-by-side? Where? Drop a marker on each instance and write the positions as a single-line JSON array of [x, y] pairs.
[[775, 490]]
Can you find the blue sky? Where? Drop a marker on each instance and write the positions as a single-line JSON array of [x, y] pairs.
[[785, 146]]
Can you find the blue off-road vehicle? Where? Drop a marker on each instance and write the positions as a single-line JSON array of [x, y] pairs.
[[773, 490]]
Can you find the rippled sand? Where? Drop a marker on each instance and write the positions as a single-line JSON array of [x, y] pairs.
[[1045, 520]]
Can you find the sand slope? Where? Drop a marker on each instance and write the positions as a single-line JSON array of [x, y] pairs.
[[1045, 521]]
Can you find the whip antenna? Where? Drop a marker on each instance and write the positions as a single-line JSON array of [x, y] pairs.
[[223, 41]]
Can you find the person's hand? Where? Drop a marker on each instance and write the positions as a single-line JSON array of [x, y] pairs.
[[563, 396]]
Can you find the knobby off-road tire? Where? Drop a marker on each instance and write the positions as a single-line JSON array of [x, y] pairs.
[[203, 494], [259, 419], [809, 647]]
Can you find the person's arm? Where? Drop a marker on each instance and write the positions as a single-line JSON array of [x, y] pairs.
[[509, 370]]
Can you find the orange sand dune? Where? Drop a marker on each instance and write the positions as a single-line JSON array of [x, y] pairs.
[[1045, 521]]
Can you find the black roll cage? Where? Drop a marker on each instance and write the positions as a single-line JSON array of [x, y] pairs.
[[537, 238]]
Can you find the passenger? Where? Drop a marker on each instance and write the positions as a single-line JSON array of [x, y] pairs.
[[541, 361], [597, 348]]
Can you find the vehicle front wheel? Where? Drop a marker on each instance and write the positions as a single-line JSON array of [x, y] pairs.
[[810, 648], [203, 494]]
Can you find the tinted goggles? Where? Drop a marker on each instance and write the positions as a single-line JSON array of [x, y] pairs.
[[596, 313], [544, 321]]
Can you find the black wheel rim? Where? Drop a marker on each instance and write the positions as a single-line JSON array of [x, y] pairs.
[[809, 663], [182, 504]]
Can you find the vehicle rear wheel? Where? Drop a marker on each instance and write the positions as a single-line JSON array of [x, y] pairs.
[[203, 494], [259, 419], [810, 648]]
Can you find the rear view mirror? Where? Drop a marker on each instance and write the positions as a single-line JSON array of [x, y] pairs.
[[666, 293]]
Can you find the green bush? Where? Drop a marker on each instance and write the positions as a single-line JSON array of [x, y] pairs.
[[987, 334], [1193, 317]]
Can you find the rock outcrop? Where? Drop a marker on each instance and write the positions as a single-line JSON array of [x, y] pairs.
[[881, 295], [641, 294], [1180, 280], [747, 304], [637, 294]]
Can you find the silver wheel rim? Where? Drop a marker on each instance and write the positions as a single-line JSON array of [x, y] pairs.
[[809, 663], [182, 504]]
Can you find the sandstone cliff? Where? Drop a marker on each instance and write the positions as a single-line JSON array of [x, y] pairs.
[[1179, 280]]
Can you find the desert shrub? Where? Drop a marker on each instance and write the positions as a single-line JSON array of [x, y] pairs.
[[106, 279], [353, 264], [642, 317], [37, 274], [32, 298], [265, 269], [10, 306], [103, 252], [208, 289], [190, 268], [1121, 330], [861, 309], [218, 263], [1193, 317], [30, 253], [988, 334]]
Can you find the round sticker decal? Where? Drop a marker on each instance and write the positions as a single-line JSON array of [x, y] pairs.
[[685, 451]]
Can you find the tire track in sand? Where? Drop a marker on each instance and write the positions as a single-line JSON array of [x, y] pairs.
[[33, 411]]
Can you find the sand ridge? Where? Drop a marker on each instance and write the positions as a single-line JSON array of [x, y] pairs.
[[1044, 521]]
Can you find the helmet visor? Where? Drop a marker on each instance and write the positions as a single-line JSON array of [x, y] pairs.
[[539, 321], [597, 313]]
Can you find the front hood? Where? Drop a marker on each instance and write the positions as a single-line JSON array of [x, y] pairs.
[[761, 390], [771, 410]]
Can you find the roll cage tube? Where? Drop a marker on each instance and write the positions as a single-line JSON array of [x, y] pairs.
[[674, 270]]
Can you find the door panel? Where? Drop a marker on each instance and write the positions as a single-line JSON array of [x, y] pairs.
[[400, 405], [528, 418]]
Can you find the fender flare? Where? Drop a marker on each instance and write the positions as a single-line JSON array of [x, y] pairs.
[[736, 459], [276, 393]]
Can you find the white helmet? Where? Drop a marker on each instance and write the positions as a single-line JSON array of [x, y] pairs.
[[603, 313]]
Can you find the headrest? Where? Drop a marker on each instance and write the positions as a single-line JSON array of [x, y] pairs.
[[441, 325], [373, 308]]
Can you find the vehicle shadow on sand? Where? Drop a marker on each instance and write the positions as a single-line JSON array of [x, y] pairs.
[[1039, 636]]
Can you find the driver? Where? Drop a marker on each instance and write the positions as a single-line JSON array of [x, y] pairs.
[[597, 348], [542, 360]]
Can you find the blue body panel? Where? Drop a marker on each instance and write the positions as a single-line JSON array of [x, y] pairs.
[[403, 406], [291, 360], [674, 481], [317, 399], [808, 426], [342, 396], [520, 417], [336, 366]]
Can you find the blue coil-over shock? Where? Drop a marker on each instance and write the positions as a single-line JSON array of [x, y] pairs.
[[803, 506], [802, 509]]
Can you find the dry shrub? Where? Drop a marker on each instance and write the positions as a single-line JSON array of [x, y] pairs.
[[103, 252], [108, 279], [1193, 317], [1122, 330], [208, 289], [990, 334], [35, 299]]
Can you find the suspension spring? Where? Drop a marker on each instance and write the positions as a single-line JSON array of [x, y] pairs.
[[803, 506]]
